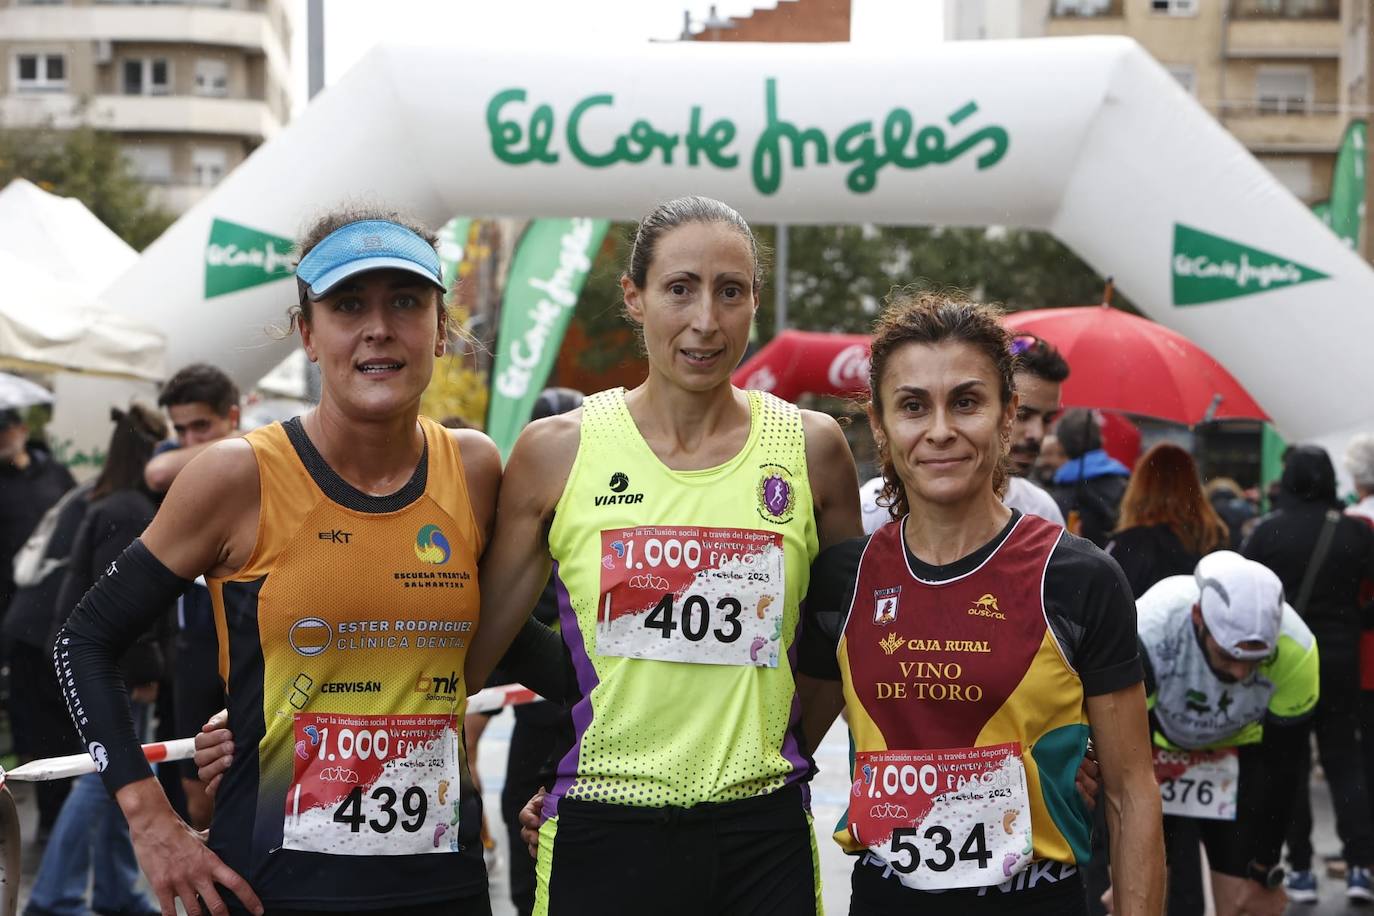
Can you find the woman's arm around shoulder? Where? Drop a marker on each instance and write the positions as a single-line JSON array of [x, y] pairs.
[[517, 558], [833, 478]]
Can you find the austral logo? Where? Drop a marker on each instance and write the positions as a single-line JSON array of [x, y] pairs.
[[431, 546], [619, 483], [1208, 268], [986, 606]]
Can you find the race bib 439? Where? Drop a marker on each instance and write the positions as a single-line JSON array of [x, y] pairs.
[[944, 818], [373, 785], [689, 594]]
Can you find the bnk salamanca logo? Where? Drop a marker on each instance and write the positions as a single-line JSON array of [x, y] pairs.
[[431, 546]]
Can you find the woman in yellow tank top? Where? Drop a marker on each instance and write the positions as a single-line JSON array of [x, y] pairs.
[[683, 516], [341, 551]]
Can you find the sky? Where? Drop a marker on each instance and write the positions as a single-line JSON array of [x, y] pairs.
[[354, 26]]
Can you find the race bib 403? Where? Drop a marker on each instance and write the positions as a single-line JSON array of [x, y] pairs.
[[1201, 784], [373, 785], [689, 594], [944, 818]]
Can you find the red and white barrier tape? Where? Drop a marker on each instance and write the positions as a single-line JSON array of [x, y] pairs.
[[487, 700]]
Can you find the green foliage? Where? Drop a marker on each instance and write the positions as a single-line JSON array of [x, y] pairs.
[[89, 165], [840, 274]]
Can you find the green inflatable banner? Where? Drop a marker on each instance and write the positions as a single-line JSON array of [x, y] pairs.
[[546, 276]]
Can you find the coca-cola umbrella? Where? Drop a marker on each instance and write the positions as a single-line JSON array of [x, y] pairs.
[[808, 362], [1120, 362]]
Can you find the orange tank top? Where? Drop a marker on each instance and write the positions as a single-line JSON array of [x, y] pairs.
[[342, 642]]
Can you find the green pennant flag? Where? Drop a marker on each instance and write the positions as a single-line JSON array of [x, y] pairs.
[[1209, 268], [546, 276], [237, 257]]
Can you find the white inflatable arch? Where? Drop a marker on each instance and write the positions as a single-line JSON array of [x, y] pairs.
[[1087, 138]]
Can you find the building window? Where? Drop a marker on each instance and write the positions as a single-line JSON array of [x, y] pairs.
[[212, 77], [151, 162], [40, 72], [1293, 172], [1185, 74], [208, 165], [1174, 7], [147, 76], [1283, 90], [1086, 8]]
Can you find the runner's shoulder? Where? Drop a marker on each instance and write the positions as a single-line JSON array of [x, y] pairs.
[[1077, 562], [550, 443], [225, 469]]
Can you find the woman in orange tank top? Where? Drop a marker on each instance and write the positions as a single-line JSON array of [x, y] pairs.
[[371, 315]]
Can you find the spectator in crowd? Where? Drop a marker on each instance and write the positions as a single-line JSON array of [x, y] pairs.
[[30, 482], [91, 833], [202, 403], [1322, 556], [1231, 504], [1090, 485], [1051, 459], [42, 727], [1040, 374], [1167, 524], [1359, 463]]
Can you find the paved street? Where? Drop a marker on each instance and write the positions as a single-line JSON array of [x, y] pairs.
[[828, 799]]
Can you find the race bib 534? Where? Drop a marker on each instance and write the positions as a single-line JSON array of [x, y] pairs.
[[944, 818]]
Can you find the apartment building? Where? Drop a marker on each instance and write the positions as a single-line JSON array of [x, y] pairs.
[[190, 86], [1284, 76]]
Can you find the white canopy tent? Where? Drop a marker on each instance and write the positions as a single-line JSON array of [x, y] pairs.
[[48, 325], [1088, 138], [61, 237]]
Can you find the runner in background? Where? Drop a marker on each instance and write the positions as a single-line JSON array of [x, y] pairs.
[[341, 552], [202, 404], [1231, 673], [1040, 374], [682, 517], [973, 649]]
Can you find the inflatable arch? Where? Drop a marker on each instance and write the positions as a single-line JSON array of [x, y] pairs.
[[1088, 138]]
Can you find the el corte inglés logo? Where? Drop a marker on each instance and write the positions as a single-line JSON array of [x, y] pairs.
[[1209, 268], [237, 257]]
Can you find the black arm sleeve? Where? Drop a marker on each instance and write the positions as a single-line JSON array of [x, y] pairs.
[[536, 659], [127, 601], [828, 598], [1282, 752]]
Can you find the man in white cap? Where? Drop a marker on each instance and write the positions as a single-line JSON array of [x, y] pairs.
[[1232, 680]]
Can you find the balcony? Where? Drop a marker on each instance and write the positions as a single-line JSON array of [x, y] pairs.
[[253, 30], [1263, 128], [1087, 9], [1285, 9], [177, 114], [1305, 38]]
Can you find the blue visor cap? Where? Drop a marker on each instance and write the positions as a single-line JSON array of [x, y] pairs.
[[369, 244]]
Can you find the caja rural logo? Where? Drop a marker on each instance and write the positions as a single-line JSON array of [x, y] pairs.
[[431, 546]]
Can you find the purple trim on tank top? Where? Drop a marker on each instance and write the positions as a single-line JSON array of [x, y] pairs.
[[791, 751], [582, 710]]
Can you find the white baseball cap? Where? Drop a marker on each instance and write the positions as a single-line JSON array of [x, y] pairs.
[[1241, 601]]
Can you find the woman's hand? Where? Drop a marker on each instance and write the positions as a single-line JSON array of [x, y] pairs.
[[175, 859], [1088, 779], [214, 751], [531, 820]]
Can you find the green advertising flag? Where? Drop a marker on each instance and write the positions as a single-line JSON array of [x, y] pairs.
[[546, 277], [1209, 268], [237, 257], [1347, 185], [1272, 448], [453, 242]]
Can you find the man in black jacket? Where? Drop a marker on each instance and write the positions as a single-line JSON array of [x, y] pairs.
[[1089, 486], [1287, 541]]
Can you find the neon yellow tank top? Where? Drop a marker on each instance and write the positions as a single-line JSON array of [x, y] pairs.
[[678, 600]]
